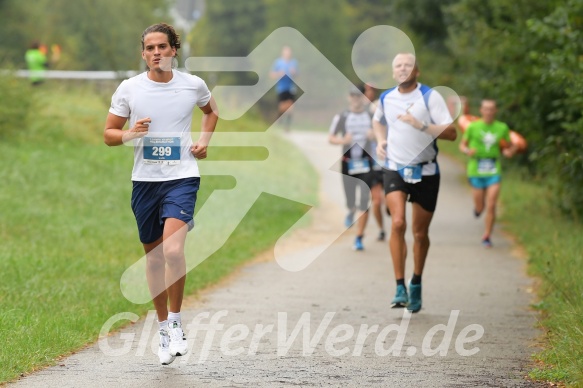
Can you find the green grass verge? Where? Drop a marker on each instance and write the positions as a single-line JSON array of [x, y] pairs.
[[555, 255], [554, 247], [68, 232]]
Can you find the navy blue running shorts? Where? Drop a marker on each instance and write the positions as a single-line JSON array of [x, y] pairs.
[[154, 202]]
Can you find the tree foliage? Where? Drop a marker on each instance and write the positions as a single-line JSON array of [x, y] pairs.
[[229, 29], [528, 56], [225, 32], [93, 35], [561, 68], [325, 26]]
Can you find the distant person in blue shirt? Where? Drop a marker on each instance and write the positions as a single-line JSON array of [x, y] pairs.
[[284, 69]]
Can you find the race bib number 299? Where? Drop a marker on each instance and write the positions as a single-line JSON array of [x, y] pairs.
[[162, 150]]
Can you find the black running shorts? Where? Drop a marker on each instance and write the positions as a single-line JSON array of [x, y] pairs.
[[424, 193]]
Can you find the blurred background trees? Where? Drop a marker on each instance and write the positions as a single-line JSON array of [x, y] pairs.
[[93, 34], [527, 55]]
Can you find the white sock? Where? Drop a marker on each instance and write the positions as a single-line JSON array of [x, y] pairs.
[[174, 317], [163, 325]]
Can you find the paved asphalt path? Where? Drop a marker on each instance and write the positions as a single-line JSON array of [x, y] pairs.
[[309, 328]]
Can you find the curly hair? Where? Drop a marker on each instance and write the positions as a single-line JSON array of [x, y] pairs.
[[173, 37]]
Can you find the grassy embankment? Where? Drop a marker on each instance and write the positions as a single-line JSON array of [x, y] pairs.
[[68, 232]]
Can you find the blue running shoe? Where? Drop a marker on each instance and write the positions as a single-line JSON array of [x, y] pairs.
[[358, 244], [487, 243], [349, 220], [400, 299], [414, 298]]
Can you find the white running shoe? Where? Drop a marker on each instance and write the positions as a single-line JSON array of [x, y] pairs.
[[164, 349], [178, 345]]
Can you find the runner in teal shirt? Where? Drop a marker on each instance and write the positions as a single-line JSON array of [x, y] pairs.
[[484, 141]]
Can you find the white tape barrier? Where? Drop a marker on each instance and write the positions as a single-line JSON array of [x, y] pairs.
[[67, 74]]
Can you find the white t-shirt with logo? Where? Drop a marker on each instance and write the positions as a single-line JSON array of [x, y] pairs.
[[164, 153], [407, 145]]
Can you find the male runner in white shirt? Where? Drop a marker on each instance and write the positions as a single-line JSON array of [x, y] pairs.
[[408, 121], [159, 104]]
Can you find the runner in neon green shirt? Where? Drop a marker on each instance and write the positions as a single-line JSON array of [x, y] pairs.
[[36, 61], [482, 142]]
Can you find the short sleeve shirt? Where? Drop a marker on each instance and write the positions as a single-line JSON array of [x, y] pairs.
[[285, 84], [407, 145], [170, 106], [485, 139]]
